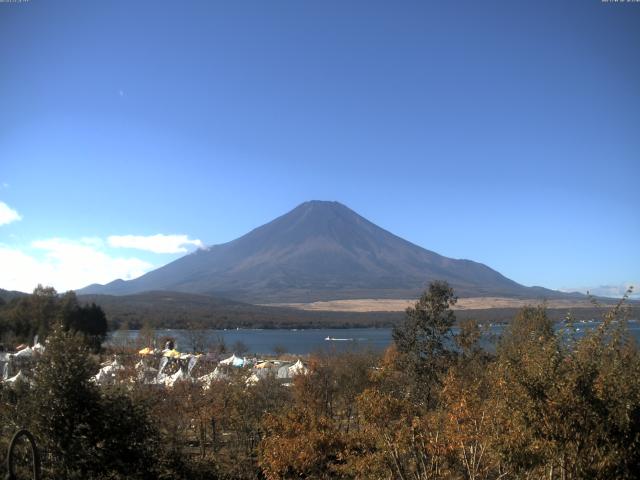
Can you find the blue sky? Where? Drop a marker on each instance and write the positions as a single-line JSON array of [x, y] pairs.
[[504, 132]]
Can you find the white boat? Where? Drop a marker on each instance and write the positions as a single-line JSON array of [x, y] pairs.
[[333, 339]]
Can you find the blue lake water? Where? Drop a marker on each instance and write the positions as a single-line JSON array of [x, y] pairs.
[[266, 341]]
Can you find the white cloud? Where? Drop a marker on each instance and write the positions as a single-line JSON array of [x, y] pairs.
[[154, 243], [65, 265], [612, 291], [8, 214], [96, 242]]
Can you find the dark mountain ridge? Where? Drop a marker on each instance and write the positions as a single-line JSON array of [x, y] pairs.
[[320, 251], [7, 295]]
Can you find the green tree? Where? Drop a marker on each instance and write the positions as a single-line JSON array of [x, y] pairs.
[[424, 339], [89, 320], [34, 314], [31, 315], [43, 307], [130, 445], [90, 433], [67, 404]]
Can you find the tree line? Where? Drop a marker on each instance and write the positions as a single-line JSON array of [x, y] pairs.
[[24, 317]]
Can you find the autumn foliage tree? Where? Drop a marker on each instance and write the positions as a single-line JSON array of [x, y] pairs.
[[568, 407]]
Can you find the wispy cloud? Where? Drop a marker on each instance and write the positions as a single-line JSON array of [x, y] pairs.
[[8, 214], [64, 264], [155, 243], [612, 291], [68, 264]]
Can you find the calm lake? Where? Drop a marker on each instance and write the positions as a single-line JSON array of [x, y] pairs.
[[266, 341]]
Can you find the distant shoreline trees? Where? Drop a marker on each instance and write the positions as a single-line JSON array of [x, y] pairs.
[[22, 318]]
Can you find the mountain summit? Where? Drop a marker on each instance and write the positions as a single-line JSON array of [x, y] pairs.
[[319, 251]]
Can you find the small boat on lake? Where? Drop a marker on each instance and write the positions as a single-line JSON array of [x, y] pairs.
[[333, 339]]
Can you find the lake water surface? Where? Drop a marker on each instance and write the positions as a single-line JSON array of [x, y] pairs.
[[266, 341]]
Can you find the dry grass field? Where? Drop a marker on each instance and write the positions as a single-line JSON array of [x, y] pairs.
[[386, 305]]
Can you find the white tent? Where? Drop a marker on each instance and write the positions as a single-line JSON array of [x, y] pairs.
[[298, 368], [170, 380], [107, 374], [24, 353], [17, 378], [234, 361], [210, 377], [192, 363], [145, 373], [163, 363], [265, 372], [283, 371], [268, 364], [113, 362]]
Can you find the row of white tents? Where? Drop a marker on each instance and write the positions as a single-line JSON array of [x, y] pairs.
[[279, 370], [175, 367]]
